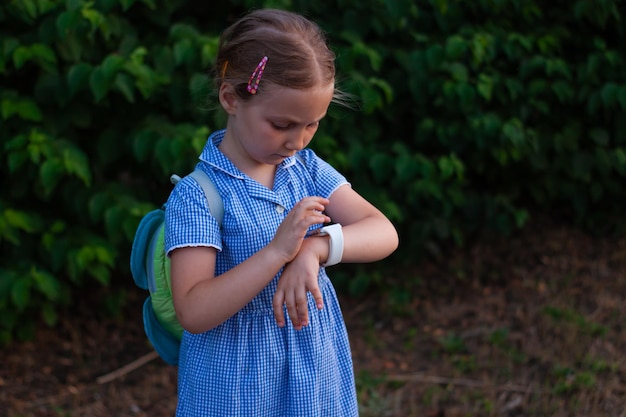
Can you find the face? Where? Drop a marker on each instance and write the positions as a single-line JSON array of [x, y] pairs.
[[275, 124]]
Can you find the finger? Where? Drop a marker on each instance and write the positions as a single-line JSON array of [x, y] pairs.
[[317, 204], [317, 295], [292, 310], [277, 305], [302, 308]]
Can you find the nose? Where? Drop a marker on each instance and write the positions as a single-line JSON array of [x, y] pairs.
[[298, 140]]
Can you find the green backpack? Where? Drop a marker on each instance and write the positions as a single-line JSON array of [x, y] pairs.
[[150, 268]]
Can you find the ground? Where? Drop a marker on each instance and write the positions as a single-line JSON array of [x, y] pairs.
[[531, 325]]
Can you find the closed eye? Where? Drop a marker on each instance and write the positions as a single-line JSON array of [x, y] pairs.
[[287, 126], [281, 126]]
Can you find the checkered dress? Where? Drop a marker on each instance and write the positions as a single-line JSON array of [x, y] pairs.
[[248, 366]]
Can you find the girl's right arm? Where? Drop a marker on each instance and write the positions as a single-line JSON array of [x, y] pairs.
[[203, 301]]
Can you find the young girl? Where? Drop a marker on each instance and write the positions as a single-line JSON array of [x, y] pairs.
[[264, 332]]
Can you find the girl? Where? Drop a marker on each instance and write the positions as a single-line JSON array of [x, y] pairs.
[[264, 331]]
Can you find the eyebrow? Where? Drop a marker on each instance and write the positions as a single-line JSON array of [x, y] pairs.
[[290, 120]]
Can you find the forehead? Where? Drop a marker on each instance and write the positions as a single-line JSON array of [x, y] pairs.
[[292, 104]]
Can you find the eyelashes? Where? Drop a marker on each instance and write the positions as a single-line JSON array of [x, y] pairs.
[[288, 126]]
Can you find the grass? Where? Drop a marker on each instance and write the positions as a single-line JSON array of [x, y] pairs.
[[546, 341], [533, 326]]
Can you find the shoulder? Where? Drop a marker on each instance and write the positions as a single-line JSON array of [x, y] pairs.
[[187, 194], [314, 164], [310, 160], [325, 177]]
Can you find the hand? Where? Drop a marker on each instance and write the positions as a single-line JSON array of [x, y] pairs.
[[290, 234], [298, 278]]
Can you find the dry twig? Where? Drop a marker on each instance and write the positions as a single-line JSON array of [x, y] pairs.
[[431, 379], [137, 363]]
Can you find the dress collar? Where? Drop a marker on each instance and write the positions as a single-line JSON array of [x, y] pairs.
[[215, 158]]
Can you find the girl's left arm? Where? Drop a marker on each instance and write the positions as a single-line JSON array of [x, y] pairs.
[[368, 235]]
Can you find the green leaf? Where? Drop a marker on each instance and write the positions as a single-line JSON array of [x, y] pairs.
[[382, 166], [67, 22], [22, 220], [126, 4], [21, 55], [600, 136], [456, 47], [49, 314], [78, 77], [482, 44], [76, 162], [50, 172], [383, 86], [16, 160], [28, 8], [609, 94], [563, 90], [150, 3], [98, 84], [96, 20], [110, 67], [181, 31], [20, 293], [513, 130], [466, 94], [209, 50], [434, 56], [39, 53], [184, 52], [449, 166], [558, 68], [97, 205], [47, 284], [458, 72], [101, 273], [124, 84], [113, 219], [28, 110], [44, 56], [405, 168], [485, 86]]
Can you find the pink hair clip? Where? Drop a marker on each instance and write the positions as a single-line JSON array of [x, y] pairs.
[[256, 76]]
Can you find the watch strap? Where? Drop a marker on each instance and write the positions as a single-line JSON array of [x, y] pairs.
[[335, 251]]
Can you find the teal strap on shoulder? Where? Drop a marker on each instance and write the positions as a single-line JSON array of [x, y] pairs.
[[213, 198]]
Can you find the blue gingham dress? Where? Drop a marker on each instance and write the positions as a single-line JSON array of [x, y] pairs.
[[248, 366]]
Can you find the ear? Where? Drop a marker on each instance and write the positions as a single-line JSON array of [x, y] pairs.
[[228, 98]]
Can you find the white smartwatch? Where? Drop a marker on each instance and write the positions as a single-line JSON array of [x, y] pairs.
[[335, 252]]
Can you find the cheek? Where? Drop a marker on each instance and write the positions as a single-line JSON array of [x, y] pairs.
[[310, 134]]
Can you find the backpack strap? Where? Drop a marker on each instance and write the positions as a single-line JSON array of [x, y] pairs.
[[213, 198]]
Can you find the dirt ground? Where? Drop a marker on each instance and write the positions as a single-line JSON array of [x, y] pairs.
[[531, 325]]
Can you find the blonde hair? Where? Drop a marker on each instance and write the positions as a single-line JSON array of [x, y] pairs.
[[298, 55]]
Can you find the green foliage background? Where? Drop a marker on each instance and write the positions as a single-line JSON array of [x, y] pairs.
[[472, 115]]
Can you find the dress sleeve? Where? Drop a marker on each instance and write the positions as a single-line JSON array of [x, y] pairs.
[[326, 178], [188, 220]]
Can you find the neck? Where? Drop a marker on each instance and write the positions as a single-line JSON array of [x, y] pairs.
[[262, 173]]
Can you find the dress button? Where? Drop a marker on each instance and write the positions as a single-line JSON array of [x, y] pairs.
[[279, 209]]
